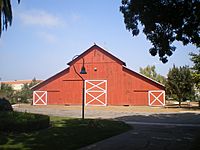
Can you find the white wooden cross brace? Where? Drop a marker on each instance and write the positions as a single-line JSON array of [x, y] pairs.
[[95, 88], [95, 98], [95, 85], [40, 97], [156, 98]]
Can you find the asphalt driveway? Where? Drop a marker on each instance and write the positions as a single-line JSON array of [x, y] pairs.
[[150, 137]]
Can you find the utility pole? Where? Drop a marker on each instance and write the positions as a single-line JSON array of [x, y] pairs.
[[0, 83]]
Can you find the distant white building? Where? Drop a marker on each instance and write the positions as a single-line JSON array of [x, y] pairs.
[[17, 85]]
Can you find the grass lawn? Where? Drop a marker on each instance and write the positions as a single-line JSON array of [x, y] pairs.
[[64, 134]]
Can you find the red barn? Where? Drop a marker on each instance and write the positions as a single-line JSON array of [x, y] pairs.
[[107, 82]]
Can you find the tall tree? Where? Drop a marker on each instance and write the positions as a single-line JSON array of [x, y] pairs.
[[180, 84], [195, 58], [5, 14], [164, 22], [150, 71]]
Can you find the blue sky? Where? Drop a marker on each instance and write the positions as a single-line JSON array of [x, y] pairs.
[[45, 35]]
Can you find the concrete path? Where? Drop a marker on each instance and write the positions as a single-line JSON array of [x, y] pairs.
[[150, 137]]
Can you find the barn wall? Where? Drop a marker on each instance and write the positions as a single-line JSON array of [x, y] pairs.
[[107, 69], [136, 88], [53, 87]]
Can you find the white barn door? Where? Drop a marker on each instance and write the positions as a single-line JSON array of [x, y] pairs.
[[40, 98], [96, 92], [156, 98]]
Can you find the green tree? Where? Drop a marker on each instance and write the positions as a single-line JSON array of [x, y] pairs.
[[150, 71], [7, 91], [195, 58], [164, 22], [26, 93], [179, 83], [5, 14]]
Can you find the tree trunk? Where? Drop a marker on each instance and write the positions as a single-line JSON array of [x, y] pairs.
[[180, 102]]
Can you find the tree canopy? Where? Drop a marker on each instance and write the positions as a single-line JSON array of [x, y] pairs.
[[179, 83], [5, 14], [24, 95], [195, 58], [150, 71], [164, 22]]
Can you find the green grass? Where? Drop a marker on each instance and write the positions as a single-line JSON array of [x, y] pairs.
[[64, 134], [11, 121]]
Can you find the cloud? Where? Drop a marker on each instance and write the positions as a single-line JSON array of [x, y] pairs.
[[48, 37], [40, 18]]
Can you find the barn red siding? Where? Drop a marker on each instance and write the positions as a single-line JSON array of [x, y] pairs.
[[125, 87], [137, 87]]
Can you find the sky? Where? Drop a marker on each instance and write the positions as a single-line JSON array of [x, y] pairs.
[[45, 35]]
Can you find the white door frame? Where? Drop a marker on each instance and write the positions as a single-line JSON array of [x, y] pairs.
[[156, 98], [101, 91], [39, 98]]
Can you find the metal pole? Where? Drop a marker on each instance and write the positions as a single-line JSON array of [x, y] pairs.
[[83, 89], [83, 101]]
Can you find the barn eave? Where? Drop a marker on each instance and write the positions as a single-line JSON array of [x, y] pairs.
[[154, 81], [35, 87]]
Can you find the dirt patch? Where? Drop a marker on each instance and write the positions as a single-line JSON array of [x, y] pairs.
[[99, 111]]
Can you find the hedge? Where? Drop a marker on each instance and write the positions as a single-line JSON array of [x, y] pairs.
[[22, 121], [5, 105]]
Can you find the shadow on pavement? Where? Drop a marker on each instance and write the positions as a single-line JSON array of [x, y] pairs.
[[179, 118]]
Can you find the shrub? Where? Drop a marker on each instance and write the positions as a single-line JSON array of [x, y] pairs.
[[5, 105], [22, 122]]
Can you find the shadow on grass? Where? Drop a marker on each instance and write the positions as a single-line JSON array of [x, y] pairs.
[[64, 134]]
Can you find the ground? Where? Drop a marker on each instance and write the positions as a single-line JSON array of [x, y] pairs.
[[101, 111], [153, 127], [150, 137]]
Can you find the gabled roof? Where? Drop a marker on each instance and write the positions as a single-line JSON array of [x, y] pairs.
[[101, 50], [49, 79]]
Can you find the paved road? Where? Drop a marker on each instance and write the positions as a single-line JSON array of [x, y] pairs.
[[150, 137]]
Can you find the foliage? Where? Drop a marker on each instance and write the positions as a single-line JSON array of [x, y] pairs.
[[23, 96], [5, 105], [64, 134], [164, 22], [6, 91], [5, 14], [195, 58], [150, 71], [22, 122], [180, 84]]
